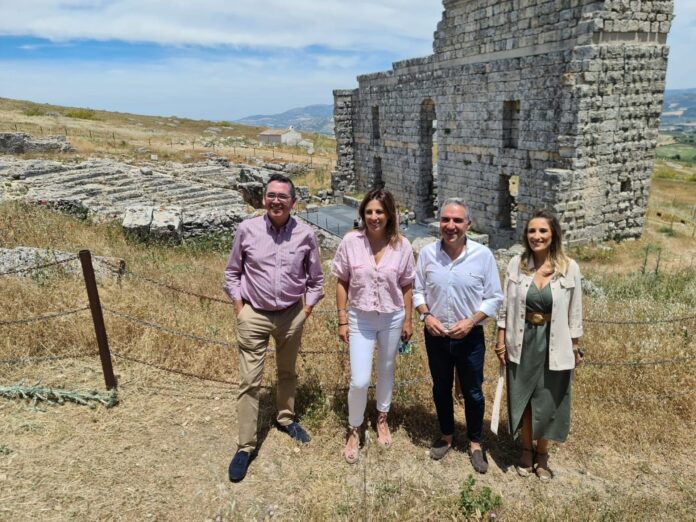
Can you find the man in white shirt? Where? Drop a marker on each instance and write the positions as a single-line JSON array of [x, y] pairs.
[[457, 287]]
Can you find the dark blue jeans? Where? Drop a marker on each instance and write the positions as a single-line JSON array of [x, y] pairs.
[[467, 356]]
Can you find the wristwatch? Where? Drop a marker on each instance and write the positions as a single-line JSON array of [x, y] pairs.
[[424, 315]]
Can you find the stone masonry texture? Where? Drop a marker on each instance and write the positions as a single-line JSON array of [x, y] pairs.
[[527, 104]]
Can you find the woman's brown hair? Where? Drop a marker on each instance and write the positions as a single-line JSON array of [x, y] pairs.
[[387, 200], [558, 258]]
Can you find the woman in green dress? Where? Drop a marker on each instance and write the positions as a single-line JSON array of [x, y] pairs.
[[539, 325]]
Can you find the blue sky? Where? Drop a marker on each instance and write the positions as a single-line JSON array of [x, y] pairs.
[[225, 59]]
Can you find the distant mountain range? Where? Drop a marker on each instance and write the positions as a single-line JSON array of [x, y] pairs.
[[679, 109], [313, 118]]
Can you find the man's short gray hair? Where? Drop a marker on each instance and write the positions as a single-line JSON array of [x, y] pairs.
[[455, 201]]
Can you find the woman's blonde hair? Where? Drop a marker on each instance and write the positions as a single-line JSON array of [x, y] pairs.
[[559, 260]]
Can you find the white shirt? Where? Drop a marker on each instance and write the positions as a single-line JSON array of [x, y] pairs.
[[455, 290]]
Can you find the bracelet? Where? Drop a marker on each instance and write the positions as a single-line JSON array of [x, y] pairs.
[[342, 324]]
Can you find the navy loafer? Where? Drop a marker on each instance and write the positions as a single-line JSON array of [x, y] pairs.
[[239, 466], [296, 431]]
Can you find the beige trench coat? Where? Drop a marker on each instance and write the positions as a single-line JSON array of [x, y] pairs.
[[566, 314]]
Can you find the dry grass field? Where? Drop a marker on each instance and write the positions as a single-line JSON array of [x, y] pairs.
[[163, 452], [132, 136]]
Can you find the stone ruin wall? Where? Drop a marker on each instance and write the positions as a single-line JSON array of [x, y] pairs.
[[565, 94]]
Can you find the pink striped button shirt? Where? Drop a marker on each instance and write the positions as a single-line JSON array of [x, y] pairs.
[[273, 269], [374, 287]]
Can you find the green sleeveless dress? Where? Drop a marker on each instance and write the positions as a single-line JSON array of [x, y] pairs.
[[531, 382]]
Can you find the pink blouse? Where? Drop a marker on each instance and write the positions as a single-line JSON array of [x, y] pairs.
[[374, 287]]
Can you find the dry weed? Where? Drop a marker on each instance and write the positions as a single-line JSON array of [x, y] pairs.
[[163, 452]]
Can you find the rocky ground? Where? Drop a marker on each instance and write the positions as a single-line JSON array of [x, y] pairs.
[[162, 200]]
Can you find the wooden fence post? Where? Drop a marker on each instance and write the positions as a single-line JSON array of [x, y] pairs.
[[97, 318]]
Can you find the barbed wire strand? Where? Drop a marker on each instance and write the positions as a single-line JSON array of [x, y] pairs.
[[634, 322], [46, 317], [173, 288], [39, 267], [27, 360], [321, 311], [636, 398], [169, 330], [344, 353], [172, 370], [658, 362]]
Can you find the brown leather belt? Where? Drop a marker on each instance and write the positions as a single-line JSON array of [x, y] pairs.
[[537, 318]]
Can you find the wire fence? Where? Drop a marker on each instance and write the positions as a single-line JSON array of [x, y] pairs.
[[340, 352], [25, 269], [178, 142]]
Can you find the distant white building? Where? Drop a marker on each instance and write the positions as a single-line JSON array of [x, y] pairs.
[[287, 136]]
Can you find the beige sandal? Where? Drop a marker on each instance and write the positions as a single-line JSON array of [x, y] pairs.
[[352, 450], [384, 437], [522, 470], [542, 469]]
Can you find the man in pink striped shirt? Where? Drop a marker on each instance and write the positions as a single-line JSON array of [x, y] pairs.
[[273, 265]]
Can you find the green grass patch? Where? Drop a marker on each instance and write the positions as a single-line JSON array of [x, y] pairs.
[[592, 252], [668, 231], [677, 152], [81, 114], [34, 111], [662, 171], [654, 284]]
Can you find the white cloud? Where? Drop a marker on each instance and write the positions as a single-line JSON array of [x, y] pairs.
[[216, 82], [220, 89], [389, 25]]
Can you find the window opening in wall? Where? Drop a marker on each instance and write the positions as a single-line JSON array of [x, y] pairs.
[[375, 122], [510, 190], [511, 123], [626, 185], [428, 154], [434, 157], [377, 179]]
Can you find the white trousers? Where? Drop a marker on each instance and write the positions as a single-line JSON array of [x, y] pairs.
[[364, 329]]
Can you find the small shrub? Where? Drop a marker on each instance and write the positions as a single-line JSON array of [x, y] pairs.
[[81, 114], [219, 242], [34, 111], [598, 253], [387, 490], [4, 450], [474, 504], [312, 403], [668, 231]]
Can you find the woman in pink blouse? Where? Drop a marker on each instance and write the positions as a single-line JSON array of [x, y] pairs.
[[374, 268]]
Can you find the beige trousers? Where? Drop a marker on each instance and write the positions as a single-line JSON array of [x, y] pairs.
[[254, 328]]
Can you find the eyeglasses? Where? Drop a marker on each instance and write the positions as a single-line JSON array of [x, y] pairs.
[[278, 196]]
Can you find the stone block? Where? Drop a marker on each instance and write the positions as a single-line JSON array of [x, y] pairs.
[[137, 220], [166, 224]]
